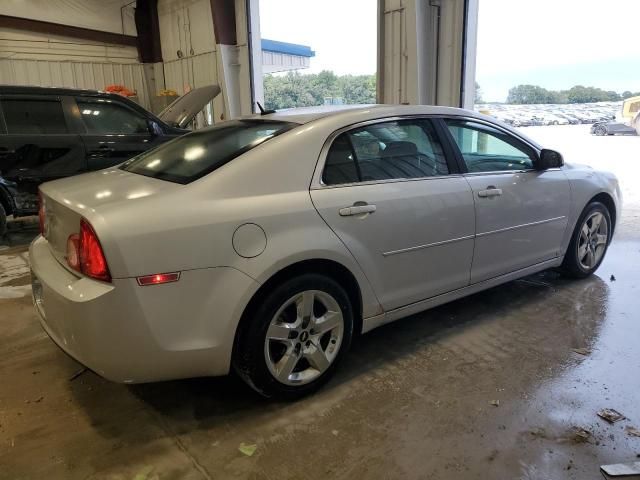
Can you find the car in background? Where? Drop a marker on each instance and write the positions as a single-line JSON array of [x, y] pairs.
[[263, 245], [627, 122], [612, 128], [51, 133]]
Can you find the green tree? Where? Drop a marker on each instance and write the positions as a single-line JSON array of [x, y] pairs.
[[297, 90], [290, 90], [628, 94], [529, 94], [358, 89], [582, 94]]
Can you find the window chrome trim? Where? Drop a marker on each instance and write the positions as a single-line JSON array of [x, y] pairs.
[[516, 227], [318, 184], [428, 245]]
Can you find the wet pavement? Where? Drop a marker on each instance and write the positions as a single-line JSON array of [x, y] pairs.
[[486, 387]]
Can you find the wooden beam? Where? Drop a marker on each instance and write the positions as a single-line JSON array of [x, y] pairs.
[[224, 21], [39, 26], [148, 28]]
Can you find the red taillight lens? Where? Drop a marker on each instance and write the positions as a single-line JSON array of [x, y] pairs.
[[73, 251], [92, 260], [158, 278], [41, 213]]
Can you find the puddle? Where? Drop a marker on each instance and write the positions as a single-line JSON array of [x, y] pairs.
[[13, 266], [15, 292]]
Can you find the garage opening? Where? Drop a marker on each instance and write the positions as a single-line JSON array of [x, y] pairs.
[[318, 53]]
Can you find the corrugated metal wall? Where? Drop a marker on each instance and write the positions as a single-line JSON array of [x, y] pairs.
[[90, 75]]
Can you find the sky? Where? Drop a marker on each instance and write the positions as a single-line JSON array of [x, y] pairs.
[[552, 43]]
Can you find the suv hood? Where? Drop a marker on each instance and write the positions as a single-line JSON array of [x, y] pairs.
[[183, 110]]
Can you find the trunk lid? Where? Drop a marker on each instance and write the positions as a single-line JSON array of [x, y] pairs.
[[87, 196]]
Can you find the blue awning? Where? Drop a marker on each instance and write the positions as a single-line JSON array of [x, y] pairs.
[[287, 48]]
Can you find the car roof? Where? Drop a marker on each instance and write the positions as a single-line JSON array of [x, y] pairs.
[[36, 90], [304, 115]]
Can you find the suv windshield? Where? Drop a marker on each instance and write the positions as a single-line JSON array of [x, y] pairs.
[[192, 156]]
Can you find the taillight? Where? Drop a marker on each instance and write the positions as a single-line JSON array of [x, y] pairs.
[[84, 253], [41, 213]]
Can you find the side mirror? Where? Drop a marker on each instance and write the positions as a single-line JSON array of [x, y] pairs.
[[154, 128], [549, 159]]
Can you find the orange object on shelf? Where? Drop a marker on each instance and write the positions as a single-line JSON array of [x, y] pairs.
[[121, 90]]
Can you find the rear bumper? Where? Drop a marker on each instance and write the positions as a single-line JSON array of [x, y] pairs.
[[131, 334]]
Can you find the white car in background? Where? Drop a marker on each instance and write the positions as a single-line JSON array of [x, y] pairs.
[[263, 245]]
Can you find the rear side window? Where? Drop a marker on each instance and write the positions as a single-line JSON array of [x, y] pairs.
[[103, 118], [196, 154], [385, 151], [42, 117]]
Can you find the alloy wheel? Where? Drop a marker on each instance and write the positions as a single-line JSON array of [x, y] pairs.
[[592, 243], [304, 337]]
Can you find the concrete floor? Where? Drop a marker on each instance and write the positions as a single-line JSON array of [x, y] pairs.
[[486, 387]]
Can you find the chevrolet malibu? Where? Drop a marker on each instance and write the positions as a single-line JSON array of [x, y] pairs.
[[264, 244]]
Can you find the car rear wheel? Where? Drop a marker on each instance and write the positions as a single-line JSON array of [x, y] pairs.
[[295, 338], [589, 242]]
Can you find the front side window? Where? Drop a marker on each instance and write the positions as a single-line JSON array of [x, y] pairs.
[[196, 154], [487, 149], [104, 118], [383, 151], [34, 116]]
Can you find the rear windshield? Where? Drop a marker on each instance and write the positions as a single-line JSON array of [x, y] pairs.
[[196, 154]]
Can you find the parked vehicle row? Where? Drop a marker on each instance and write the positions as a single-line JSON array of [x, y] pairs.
[[552, 114]]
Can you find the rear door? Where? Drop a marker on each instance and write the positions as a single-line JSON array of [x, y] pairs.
[[521, 212], [114, 132], [390, 192], [40, 144]]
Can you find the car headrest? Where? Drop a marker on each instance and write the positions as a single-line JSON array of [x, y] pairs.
[[399, 149]]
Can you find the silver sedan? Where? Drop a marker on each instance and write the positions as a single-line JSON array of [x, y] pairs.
[[264, 244]]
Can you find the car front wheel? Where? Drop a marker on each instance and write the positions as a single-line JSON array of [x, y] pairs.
[[600, 130], [589, 242], [294, 339]]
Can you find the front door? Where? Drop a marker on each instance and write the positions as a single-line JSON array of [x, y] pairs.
[[391, 196], [114, 132], [521, 213]]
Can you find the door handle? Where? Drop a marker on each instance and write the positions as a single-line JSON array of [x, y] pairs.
[[101, 151], [357, 210], [491, 191]]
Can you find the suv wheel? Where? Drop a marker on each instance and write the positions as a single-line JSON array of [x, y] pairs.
[[3, 221], [589, 242], [296, 337]]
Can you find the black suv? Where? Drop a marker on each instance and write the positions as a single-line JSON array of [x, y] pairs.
[[49, 133]]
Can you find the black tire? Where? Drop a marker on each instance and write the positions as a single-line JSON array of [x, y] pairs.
[[3, 221], [250, 357], [571, 265], [600, 131]]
